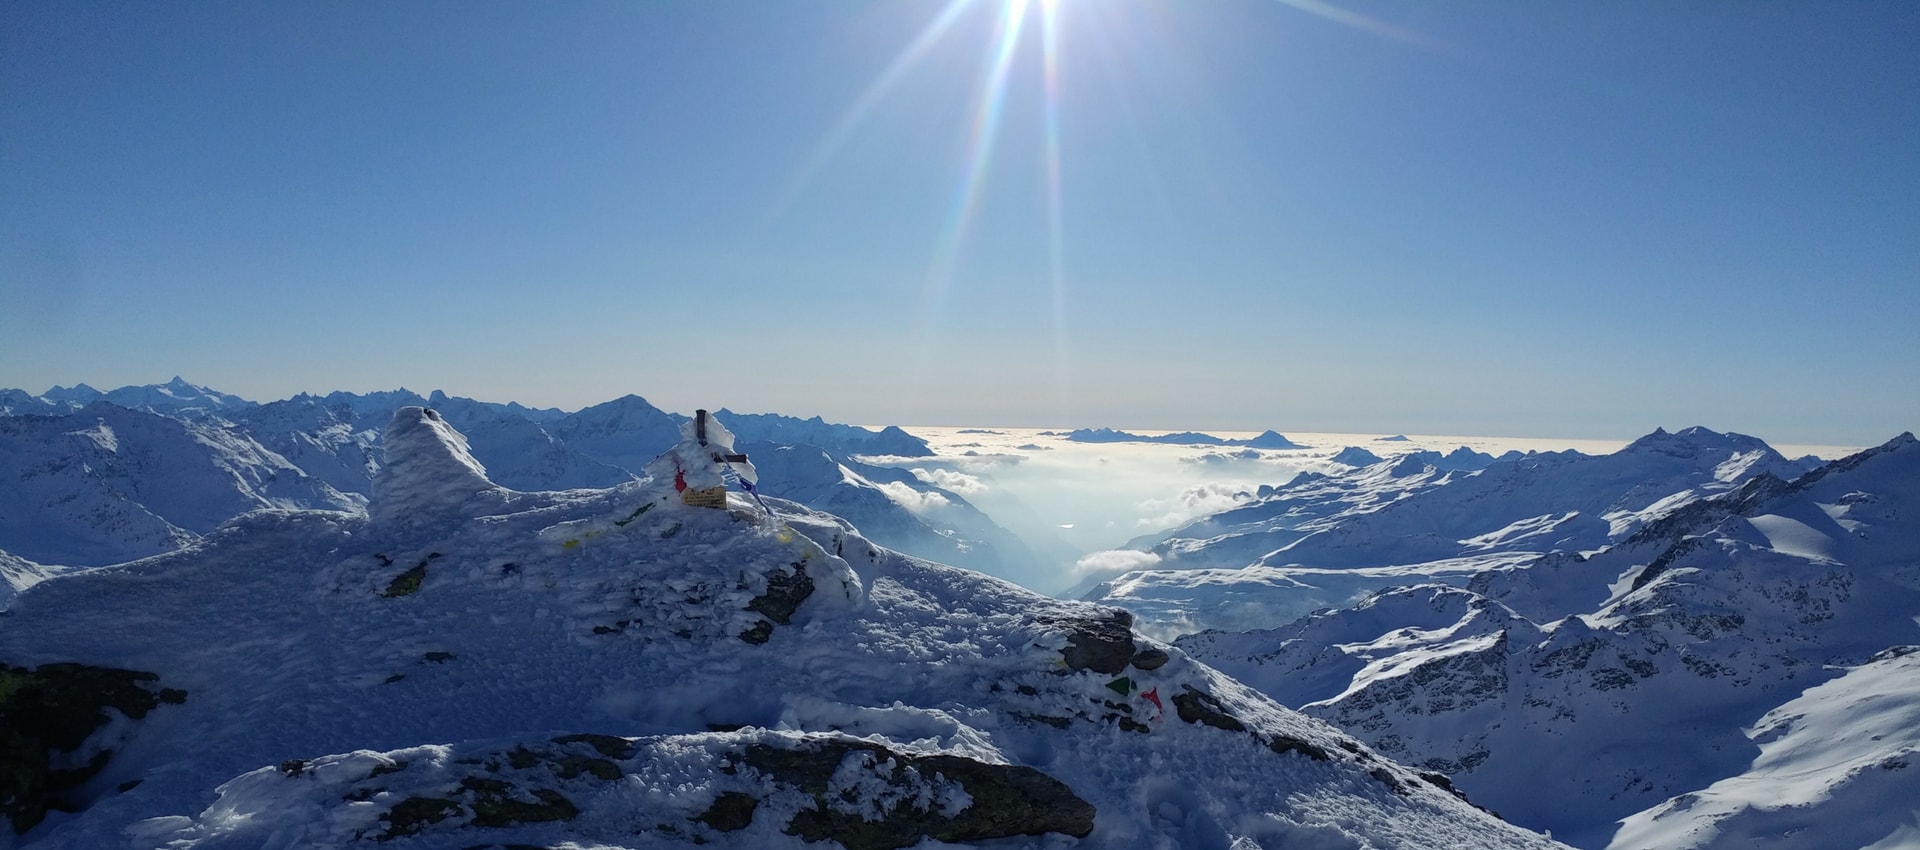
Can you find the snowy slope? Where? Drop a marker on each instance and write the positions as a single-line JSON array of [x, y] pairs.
[[473, 666], [1836, 769], [1754, 598], [17, 574]]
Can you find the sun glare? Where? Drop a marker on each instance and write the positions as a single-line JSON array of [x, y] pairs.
[[984, 117]]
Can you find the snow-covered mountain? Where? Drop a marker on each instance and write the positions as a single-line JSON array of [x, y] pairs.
[[890, 505], [107, 484], [1267, 440], [465, 665], [843, 440], [1687, 698], [1328, 539]]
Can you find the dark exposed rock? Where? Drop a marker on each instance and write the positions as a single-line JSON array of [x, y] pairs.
[[406, 583], [413, 814], [785, 592], [1007, 800], [1386, 777], [1440, 781], [1101, 645], [1196, 706], [569, 767], [497, 803], [1050, 720], [1282, 745], [611, 746], [761, 632], [1150, 658], [733, 811], [55, 708]]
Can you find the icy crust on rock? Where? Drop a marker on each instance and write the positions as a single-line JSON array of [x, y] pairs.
[[613, 668]]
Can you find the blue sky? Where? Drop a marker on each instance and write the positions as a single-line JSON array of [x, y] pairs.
[[1552, 219]]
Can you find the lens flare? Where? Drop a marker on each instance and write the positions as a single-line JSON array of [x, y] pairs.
[[989, 103]]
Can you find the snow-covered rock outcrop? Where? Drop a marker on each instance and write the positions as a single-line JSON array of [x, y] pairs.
[[612, 668]]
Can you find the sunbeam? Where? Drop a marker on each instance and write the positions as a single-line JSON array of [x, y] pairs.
[[1056, 248], [1345, 17], [988, 102]]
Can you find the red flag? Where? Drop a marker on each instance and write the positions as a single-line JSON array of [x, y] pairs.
[[1153, 696]]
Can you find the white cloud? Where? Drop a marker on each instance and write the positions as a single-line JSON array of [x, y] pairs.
[[948, 479], [1189, 504], [912, 499], [1115, 559]]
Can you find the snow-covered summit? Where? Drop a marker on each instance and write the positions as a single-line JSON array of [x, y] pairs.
[[429, 472]]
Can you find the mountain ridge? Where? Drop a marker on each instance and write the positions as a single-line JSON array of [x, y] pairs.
[[620, 669]]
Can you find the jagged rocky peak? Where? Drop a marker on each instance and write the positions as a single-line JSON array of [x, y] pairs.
[[429, 470]]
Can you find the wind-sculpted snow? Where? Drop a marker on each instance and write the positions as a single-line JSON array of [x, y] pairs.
[[1708, 622], [614, 668], [429, 471]]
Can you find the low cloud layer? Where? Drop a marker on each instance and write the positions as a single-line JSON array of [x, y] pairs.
[[912, 499], [1194, 502], [1115, 560], [954, 480]]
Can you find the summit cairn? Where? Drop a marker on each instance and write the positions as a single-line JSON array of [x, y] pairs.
[[702, 462]]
